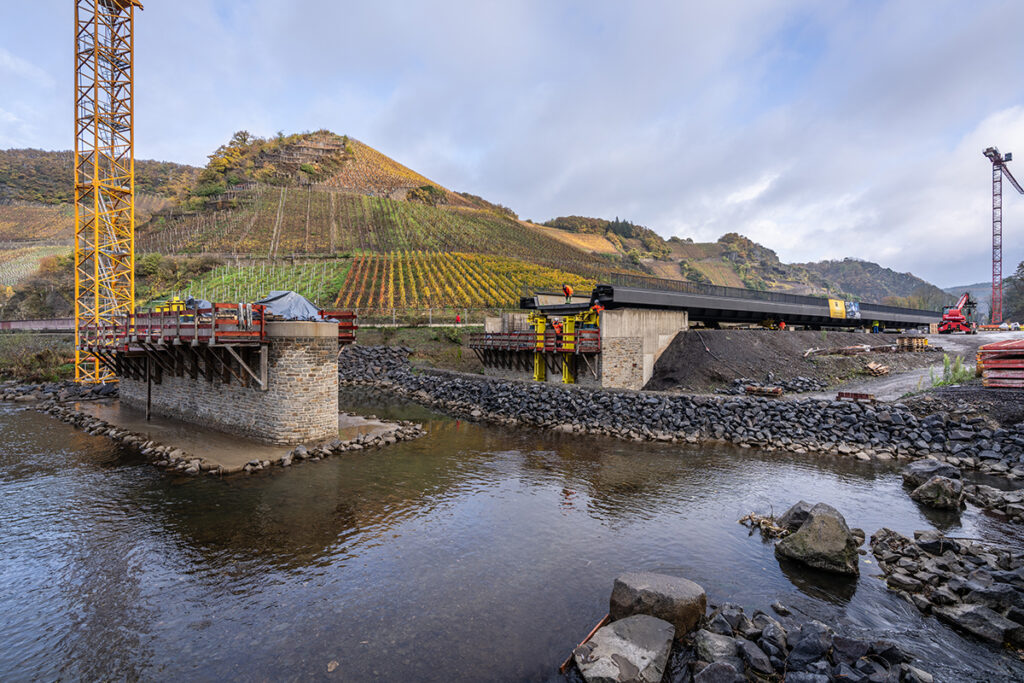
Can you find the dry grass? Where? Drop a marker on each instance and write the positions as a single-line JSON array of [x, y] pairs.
[[583, 241]]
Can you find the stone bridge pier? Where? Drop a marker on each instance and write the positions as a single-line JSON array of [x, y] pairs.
[[280, 389]]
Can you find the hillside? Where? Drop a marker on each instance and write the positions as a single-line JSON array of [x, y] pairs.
[[334, 218], [872, 282], [34, 175], [323, 159]]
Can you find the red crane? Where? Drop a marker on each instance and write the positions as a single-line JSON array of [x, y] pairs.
[[999, 169], [956, 318]]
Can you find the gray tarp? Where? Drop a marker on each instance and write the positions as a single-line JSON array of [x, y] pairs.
[[290, 306], [192, 304]]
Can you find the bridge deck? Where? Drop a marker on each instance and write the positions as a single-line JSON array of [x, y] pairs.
[[707, 303]]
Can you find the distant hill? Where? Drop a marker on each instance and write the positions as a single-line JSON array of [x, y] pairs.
[[871, 282], [35, 175]]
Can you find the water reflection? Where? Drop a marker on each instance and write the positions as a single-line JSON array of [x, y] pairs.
[[473, 553], [837, 589]]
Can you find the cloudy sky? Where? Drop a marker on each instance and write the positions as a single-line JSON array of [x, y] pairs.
[[820, 129]]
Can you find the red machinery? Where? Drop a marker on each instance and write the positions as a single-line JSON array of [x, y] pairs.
[[955, 318]]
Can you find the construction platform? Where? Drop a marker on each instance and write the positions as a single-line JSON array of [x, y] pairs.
[[610, 349], [232, 367]]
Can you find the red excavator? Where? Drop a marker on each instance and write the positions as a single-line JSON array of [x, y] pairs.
[[955, 318]]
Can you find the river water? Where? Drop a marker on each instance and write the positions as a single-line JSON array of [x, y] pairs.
[[474, 553]]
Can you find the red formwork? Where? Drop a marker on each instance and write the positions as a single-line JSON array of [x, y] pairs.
[[346, 324], [1001, 364]]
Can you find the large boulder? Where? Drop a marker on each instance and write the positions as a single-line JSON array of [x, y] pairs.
[[824, 542], [678, 601], [793, 518], [940, 492], [920, 471], [634, 649]]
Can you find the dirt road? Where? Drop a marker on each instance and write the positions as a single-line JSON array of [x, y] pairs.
[[892, 387]]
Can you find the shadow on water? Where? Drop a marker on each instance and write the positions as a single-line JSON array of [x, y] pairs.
[[830, 587], [474, 553]]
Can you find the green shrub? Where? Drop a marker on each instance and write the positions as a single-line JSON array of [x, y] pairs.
[[953, 372]]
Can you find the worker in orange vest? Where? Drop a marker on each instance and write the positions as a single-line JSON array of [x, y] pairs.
[[782, 326], [567, 290]]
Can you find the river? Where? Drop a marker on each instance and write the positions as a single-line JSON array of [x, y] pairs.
[[474, 553]]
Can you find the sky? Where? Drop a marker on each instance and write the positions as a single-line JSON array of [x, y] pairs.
[[819, 129]]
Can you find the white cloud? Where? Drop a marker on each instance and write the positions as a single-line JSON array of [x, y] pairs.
[[23, 69], [822, 130]]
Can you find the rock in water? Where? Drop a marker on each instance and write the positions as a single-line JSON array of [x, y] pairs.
[[678, 601], [940, 492], [719, 672], [920, 471], [793, 518], [824, 542], [632, 649], [982, 622]]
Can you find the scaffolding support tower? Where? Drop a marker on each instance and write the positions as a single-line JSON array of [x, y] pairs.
[[999, 170], [104, 175]]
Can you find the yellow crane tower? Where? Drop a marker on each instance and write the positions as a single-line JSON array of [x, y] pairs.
[[104, 175]]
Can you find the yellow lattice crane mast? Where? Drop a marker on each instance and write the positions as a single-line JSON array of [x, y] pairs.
[[104, 175]]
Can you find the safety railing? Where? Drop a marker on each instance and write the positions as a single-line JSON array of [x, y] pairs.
[[219, 324], [346, 324]]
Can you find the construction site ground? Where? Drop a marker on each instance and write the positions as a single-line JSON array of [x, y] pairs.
[[705, 360]]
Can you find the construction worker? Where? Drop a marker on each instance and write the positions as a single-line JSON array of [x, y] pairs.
[[567, 290], [782, 325]]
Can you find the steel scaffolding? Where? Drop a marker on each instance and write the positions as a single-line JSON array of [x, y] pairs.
[[104, 174]]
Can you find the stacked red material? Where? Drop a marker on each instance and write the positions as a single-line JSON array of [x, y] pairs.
[[1002, 363]]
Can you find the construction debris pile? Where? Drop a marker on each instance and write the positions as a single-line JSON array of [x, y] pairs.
[[877, 369], [796, 385], [973, 586]]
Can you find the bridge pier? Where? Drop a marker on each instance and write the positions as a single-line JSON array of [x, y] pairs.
[[282, 389]]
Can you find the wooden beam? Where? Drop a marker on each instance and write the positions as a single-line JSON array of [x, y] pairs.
[[226, 371], [245, 366]]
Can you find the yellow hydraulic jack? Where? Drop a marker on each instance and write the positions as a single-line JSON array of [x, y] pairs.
[[566, 343], [569, 349], [540, 323]]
